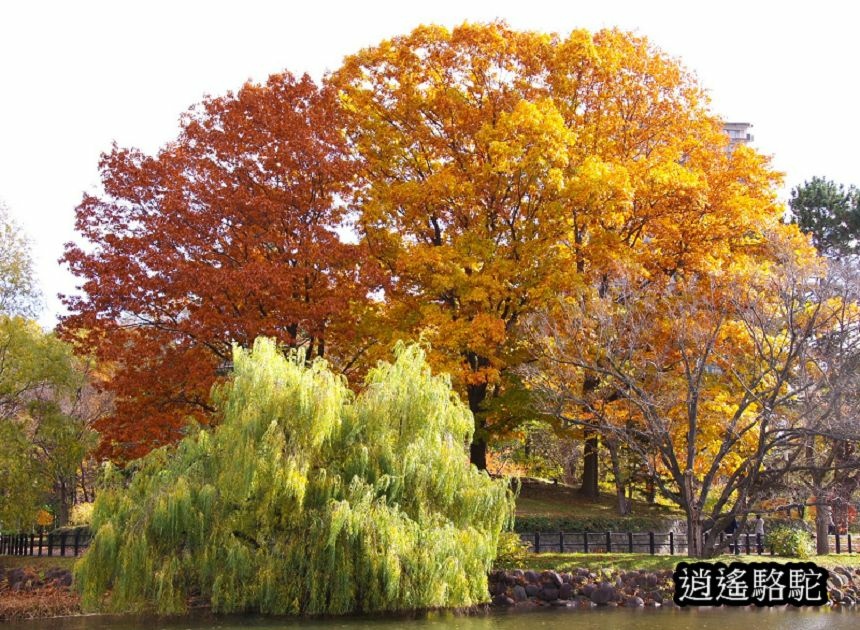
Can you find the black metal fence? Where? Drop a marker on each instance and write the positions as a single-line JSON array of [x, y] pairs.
[[59, 544], [654, 543], [74, 543]]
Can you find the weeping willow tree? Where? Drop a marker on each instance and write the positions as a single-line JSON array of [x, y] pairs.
[[306, 499]]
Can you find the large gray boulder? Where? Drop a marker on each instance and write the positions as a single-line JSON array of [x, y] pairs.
[[604, 594]]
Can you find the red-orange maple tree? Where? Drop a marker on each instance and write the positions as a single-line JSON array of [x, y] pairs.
[[228, 233]]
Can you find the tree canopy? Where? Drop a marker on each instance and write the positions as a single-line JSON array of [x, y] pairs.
[[499, 167], [19, 292], [41, 443], [721, 383], [830, 213], [228, 233], [305, 499], [487, 171]]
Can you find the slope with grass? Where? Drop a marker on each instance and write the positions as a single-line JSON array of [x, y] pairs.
[[545, 506]]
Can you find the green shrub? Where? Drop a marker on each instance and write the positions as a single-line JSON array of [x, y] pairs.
[[307, 499], [789, 541], [511, 552], [82, 514], [555, 524]]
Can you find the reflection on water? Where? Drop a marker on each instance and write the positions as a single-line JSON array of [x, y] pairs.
[[606, 619]]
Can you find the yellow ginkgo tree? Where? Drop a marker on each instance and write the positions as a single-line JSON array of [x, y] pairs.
[[499, 168], [704, 375]]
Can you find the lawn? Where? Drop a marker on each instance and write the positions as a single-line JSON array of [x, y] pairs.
[[627, 561], [540, 498], [40, 564]]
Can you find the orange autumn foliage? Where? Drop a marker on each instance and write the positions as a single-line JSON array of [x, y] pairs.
[[501, 168], [489, 171]]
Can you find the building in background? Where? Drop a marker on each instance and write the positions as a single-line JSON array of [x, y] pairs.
[[738, 133]]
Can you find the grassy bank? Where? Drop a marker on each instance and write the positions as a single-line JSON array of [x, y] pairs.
[[40, 565], [641, 561], [540, 498], [36, 588]]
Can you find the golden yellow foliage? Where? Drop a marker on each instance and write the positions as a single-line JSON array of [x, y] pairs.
[[500, 168]]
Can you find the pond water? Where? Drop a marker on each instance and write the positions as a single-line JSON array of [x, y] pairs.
[[608, 619]]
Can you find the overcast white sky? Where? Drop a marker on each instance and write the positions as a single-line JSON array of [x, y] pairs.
[[75, 76]]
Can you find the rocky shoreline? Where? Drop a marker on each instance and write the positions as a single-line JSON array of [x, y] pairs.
[[586, 589], [581, 589], [28, 594]]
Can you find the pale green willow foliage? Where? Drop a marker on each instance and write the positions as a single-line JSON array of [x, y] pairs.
[[306, 499]]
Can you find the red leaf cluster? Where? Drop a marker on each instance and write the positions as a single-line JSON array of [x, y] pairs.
[[228, 233]]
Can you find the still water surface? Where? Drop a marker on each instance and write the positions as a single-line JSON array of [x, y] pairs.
[[609, 619]]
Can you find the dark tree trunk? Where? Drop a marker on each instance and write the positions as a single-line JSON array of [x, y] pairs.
[[695, 537], [478, 448], [622, 504], [620, 486], [590, 471], [822, 527], [83, 478], [478, 454], [63, 503], [650, 491], [589, 486]]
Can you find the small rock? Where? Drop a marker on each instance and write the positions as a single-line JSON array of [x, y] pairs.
[[58, 575], [532, 590], [837, 580], [587, 590], [501, 600], [64, 580], [836, 595], [15, 577], [531, 577], [548, 593], [551, 577], [604, 594], [656, 596], [520, 594], [566, 591], [634, 602]]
